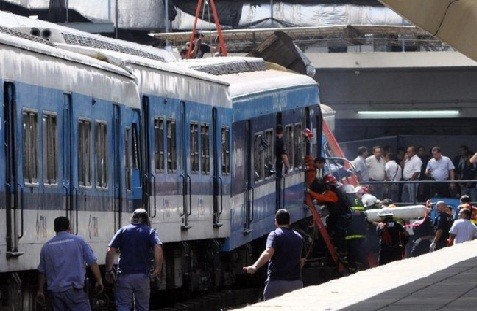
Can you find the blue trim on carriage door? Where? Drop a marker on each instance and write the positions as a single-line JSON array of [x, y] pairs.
[[197, 177], [221, 151]]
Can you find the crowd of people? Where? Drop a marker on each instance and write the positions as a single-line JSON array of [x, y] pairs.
[[413, 175]]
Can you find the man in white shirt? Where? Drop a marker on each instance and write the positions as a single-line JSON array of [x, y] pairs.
[[359, 166], [412, 168], [376, 165], [440, 168], [463, 229], [393, 173]]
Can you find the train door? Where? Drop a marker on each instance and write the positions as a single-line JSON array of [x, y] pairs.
[[293, 122], [260, 173], [221, 122], [116, 164], [196, 164], [66, 147], [14, 212], [91, 131], [132, 187]]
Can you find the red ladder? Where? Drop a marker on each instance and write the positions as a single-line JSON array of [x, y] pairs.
[[324, 233], [337, 151]]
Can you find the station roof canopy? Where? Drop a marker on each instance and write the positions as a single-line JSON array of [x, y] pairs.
[[243, 40], [452, 21]]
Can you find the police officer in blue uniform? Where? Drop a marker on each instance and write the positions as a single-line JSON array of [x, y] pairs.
[[134, 244]]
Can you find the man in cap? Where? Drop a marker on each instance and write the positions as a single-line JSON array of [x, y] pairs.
[[442, 224], [392, 238], [135, 243]]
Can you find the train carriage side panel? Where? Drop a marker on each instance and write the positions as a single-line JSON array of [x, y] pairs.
[[37, 106], [187, 116], [260, 196]]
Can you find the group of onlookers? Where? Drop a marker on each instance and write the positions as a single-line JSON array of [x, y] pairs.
[[427, 175]]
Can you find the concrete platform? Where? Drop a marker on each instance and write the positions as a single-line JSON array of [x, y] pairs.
[[443, 280]]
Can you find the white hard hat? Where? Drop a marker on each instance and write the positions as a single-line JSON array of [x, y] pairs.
[[348, 189]]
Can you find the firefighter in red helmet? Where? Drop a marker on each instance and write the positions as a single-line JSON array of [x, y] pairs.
[[339, 208]]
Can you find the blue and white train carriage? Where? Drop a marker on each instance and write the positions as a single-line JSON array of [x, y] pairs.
[[70, 131], [208, 175], [192, 141]]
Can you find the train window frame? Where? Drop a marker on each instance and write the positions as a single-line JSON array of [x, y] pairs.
[[30, 147], [159, 144], [299, 150], [194, 159], [205, 149], [128, 157], [101, 154], [50, 148], [289, 144], [258, 156], [84, 154], [225, 150], [171, 145], [269, 154]]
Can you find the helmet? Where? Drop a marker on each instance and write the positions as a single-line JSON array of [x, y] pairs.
[[465, 198], [361, 189], [329, 179]]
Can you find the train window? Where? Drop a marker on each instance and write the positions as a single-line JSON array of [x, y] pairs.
[[225, 143], [127, 160], [194, 147], [269, 153], [171, 145], [30, 147], [50, 149], [135, 146], [299, 155], [84, 153], [205, 150], [258, 149], [159, 144], [289, 143], [101, 155]]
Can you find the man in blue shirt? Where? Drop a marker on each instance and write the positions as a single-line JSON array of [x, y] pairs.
[[134, 243], [283, 252], [62, 266]]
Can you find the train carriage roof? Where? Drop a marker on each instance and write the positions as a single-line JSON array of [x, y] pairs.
[[55, 68], [217, 81]]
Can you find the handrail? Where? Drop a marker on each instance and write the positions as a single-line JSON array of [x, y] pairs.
[[22, 219], [221, 195], [153, 181], [190, 194], [182, 176], [252, 214], [75, 190]]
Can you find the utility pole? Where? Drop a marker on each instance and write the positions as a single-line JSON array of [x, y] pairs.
[[117, 20]]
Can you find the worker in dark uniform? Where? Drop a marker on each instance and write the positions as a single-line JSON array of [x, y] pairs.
[[392, 238], [442, 223], [339, 208]]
